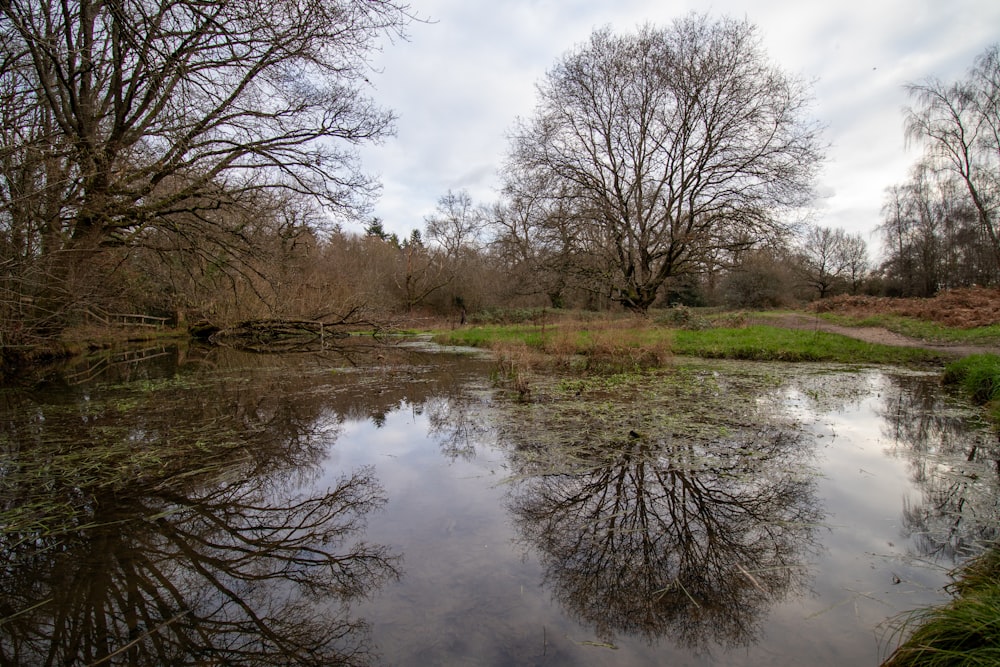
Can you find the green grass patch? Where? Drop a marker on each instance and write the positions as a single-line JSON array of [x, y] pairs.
[[491, 336], [757, 343], [922, 329], [766, 343], [978, 375], [965, 631]]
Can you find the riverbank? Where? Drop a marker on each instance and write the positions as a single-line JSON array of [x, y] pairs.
[[966, 631]]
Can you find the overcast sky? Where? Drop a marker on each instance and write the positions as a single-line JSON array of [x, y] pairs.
[[459, 82]]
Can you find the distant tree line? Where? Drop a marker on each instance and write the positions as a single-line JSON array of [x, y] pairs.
[[195, 160]]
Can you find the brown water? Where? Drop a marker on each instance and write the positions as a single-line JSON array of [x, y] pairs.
[[378, 506]]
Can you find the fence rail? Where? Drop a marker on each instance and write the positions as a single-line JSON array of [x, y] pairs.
[[128, 319]]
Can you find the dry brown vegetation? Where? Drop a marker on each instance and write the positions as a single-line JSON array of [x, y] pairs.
[[962, 308]]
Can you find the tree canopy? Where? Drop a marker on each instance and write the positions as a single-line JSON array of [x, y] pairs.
[[127, 121], [940, 226], [666, 146]]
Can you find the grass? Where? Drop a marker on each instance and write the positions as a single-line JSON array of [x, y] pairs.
[[965, 632], [643, 343], [767, 343], [978, 376], [922, 329]]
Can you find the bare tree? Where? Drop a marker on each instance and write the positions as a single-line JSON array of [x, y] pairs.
[[667, 145], [959, 124], [421, 272], [856, 264], [831, 260], [933, 235], [127, 118], [533, 236], [457, 224]]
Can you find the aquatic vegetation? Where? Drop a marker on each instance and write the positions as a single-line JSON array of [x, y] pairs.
[[140, 524], [965, 632]]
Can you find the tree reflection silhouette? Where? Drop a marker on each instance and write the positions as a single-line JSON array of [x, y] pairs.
[[954, 463], [234, 575], [656, 537], [183, 527]]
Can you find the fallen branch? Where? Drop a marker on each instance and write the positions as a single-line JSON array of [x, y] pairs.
[[276, 335]]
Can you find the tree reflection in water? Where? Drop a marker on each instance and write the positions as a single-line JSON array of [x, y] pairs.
[[230, 576], [659, 537], [200, 562], [955, 464]]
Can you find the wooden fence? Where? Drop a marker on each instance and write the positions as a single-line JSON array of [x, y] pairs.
[[128, 319]]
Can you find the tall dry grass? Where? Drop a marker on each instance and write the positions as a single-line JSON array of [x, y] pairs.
[[606, 345]]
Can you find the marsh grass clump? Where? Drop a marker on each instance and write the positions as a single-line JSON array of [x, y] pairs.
[[978, 375], [964, 632], [599, 345], [612, 346], [513, 369]]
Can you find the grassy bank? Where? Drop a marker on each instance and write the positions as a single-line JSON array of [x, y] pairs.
[[647, 343], [768, 343], [922, 329], [964, 632], [978, 376]]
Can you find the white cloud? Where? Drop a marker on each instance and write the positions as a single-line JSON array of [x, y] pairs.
[[459, 83]]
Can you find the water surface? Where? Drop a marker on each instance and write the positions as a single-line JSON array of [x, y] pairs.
[[366, 505]]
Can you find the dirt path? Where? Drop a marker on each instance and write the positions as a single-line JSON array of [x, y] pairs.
[[876, 335]]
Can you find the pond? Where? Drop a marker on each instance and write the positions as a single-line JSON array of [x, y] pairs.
[[369, 505]]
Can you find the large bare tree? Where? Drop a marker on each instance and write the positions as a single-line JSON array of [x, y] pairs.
[[667, 145], [959, 125], [125, 117]]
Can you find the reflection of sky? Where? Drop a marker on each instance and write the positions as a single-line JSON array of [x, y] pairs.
[[469, 589], [466, 588], [869, 569]]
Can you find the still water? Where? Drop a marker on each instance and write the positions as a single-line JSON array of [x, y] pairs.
[[367, 505]]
